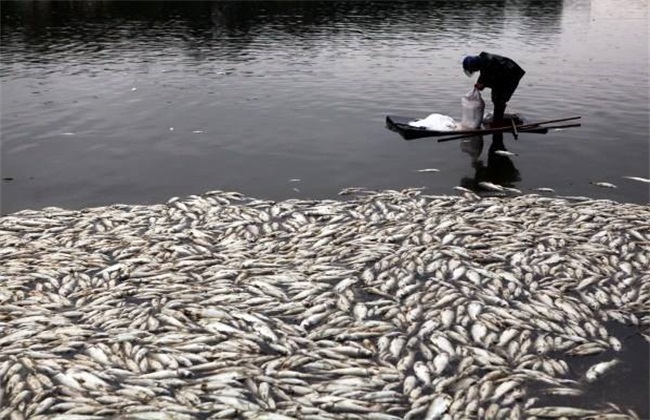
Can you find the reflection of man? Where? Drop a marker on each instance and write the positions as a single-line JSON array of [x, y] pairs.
[[473, 146], [499, 170], [498, 73]]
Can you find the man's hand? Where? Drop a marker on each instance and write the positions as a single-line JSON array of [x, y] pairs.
[[479, 86]]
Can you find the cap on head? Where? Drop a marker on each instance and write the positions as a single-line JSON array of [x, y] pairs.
[[471, 64]]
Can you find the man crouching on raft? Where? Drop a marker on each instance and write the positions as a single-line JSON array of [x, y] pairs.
[[498, 73]]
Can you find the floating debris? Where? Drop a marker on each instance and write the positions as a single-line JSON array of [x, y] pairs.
[[294, 180], [388, 305], [544, 189], [197, 131], [426, 170]]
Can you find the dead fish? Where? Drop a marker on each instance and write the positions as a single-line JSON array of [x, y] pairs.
[[438, 407], [599, 369], [422, 372], [440, 362], [638, 178], [557, 412], [478, 331], [223, 305], [564, 391], [463, 189], [490, 186], [504, 153], [512, 190], [604, 184]]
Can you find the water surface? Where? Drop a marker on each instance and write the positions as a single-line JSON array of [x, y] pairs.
[[134, 102]]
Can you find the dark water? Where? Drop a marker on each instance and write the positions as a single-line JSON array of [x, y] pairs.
[[627, 386], [135, 102]]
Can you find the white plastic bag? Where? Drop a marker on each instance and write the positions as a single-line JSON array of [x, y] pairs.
[[473, 107], [436, 122]]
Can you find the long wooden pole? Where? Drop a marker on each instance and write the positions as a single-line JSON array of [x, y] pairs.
[[528, 129], [514, 128], [547, 122], [467, 133], [521, 128]]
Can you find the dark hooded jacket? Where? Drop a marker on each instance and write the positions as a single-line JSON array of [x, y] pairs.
[[500, 74]]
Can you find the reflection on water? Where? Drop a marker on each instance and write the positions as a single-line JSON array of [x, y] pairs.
[[51, 31], [499, 169]]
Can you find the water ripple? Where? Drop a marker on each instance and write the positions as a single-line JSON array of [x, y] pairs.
[[311, 82]]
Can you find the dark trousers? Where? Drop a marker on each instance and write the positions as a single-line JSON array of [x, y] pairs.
[[501, 94], [499, 112]]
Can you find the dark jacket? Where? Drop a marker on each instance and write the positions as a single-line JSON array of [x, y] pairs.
[[500, 74]]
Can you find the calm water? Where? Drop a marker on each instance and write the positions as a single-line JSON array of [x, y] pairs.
[[134, 102]]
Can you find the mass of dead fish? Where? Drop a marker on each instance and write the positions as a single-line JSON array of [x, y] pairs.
[[382, 305]]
